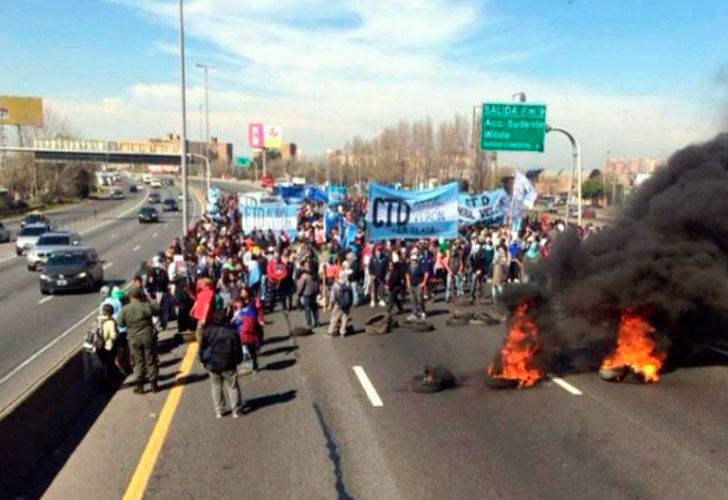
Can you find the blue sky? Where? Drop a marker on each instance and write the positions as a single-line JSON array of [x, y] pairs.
[[326, 70]]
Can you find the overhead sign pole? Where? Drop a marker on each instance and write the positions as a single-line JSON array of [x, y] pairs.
[[183, 144]]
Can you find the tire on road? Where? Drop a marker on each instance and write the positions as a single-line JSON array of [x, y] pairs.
[[418, 325], [434, 379], [377, 318], [484, 319], [301, 331], [377, 329], [457, 313], [453, 321]]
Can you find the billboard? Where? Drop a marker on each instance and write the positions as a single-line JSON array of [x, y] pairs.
[[16, 110], [256, 135], [273, 137]]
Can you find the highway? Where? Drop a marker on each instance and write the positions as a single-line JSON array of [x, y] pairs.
[[315, 430]]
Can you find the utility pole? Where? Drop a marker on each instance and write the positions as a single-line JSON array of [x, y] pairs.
[[576, 148], [206, 68], [183, 143]]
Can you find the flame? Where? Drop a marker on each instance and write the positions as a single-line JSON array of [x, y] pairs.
[[517, 355], [636, 348]]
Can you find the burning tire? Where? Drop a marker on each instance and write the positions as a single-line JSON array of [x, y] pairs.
[[301, 331], [434, 379], [484, 319], [455, 321]]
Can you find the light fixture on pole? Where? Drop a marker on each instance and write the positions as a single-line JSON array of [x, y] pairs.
[[183, 141], [521, 96]]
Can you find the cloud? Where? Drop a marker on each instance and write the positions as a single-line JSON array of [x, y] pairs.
[[329, 69]]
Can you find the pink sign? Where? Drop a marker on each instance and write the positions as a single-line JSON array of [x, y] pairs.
[[256, 135]]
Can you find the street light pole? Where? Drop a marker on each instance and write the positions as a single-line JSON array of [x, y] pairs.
[[206, 68], [183, 145], [576, 148]]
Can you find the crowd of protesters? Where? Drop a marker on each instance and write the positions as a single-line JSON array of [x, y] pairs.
[[218, 283]]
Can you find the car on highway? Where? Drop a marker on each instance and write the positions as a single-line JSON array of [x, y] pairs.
[[29, 236], [117, 195], [155, 184], [49, 243], [168, 182], [154, 198], [75, 269], [148, 214], [5, 234], [133, 188], [170, 205], [267, 181], [35, 218]]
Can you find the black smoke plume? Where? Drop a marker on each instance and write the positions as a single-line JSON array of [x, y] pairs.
[[666, 255]]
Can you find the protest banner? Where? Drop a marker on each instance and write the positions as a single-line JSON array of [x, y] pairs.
[[270, 217], [336, 194], [396, 213], [488, 207]]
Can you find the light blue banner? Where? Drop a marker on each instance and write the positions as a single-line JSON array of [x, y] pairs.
[[488, 207], [213, 197], [274, 217], [396, 213], [336, 194]]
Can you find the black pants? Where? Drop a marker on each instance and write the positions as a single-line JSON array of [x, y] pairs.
[[253, 350], [394, 300]]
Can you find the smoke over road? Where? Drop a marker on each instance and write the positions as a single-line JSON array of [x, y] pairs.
[[666, 255]]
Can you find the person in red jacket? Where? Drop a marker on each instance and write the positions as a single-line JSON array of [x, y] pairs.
[[276, 273], [203, 308], [250, 320]]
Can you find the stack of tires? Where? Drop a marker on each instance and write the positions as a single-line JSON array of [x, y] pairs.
[[462, 318]]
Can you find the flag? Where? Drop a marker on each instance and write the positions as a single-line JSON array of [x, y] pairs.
[[523, 191]]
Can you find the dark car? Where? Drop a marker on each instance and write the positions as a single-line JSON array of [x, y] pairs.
[[35, 219], [133, 188], [77, 269], [116, 194], [154, 198], [148, 214], [170, 205], [167, 182]]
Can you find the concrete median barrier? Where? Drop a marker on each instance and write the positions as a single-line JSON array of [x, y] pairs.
[[36, 423]]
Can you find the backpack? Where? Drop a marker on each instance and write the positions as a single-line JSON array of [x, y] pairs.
[[344, 297], [94, 341]]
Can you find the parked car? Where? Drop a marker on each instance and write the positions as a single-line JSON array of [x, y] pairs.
[[117, 195], [155, 184], [48, 244], [267, 181], [154, 198], [29, 236], [170, 205], [148, 214], [35, 218], [168, 182], [133, 188], [76, 269], [4, 233]]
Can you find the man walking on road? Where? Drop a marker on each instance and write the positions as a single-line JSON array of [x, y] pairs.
[[416, 278], [136, 317], [221, 352], [341, 300]]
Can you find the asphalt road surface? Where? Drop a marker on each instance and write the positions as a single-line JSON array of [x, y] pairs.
[[317, 428]]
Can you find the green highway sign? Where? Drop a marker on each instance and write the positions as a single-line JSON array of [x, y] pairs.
[[513, 126], [242, 161]]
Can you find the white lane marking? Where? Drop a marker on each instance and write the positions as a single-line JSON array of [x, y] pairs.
[[7, 258], [565, 385], [45, 299], [165, 224], [113, 236], [718, 350], [113, 219], [136, 248], [155, 235], [108, 265], [367, 386]]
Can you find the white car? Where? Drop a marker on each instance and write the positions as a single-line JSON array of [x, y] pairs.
[[49, 243], [29, 236], [155, 184]]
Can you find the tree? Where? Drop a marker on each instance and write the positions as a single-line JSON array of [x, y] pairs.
[[592, 189]]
